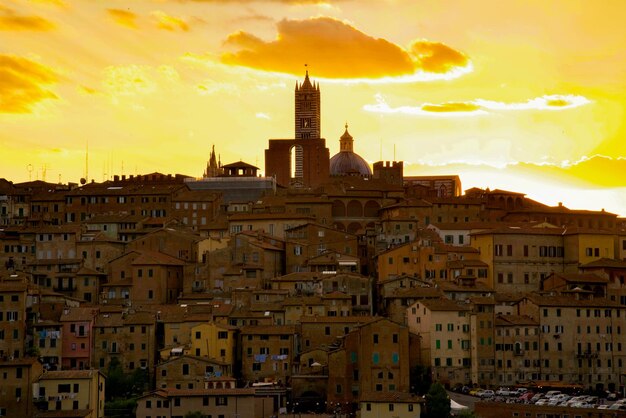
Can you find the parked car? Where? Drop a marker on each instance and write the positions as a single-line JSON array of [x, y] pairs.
[[526, 397], [487, 393], [503, 391], [474, 392], [536, 397], [551, 393]]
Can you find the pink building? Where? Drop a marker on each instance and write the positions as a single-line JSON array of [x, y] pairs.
[[77, 342]]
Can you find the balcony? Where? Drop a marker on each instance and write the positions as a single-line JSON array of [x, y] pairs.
[[518, 352]]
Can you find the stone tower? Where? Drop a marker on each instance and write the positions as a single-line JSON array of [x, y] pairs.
[[304, 160], [307, 109]]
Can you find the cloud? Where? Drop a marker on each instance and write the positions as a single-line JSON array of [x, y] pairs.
[[167, 22], [123, 17], [22, 84], [337, 50], [262, 115], [322, 2], [479, 106], [10, 21]]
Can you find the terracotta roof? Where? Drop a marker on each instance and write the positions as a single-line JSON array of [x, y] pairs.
[[78, 314], [201, 392], [605, 263], [316, 319], [124, 319], [444, 304], [456, 264], [269, 329], [416, 292], [156, 258], [205, 360], [448, 286], [336, 295], [580, 277], [302, 301], [515, 320], [569, 301]]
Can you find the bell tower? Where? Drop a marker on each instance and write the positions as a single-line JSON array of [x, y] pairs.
[[307, 109]]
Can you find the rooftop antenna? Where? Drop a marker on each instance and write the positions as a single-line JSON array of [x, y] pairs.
[[87, 160], [44, 168], [29, 168]]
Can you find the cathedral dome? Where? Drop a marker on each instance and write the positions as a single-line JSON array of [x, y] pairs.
[[346, 162]]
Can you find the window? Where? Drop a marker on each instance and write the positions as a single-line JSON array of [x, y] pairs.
[[221, 400]]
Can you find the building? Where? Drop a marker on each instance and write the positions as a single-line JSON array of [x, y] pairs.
[[172, 403], [346, 162], [71, 390], [17, 377], [396, 404], [303, 161], [448, 346]]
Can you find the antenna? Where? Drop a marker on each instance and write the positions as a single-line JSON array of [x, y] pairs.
[[29, 168], [87, 160]]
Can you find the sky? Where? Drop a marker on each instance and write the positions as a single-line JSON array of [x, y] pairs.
[[527, 96]]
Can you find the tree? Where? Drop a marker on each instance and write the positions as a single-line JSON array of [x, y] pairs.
[[421, 379], [196, 414], [437, 402], [467, 414]]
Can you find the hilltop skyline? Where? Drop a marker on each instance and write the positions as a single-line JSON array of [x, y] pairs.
[[529, 98]]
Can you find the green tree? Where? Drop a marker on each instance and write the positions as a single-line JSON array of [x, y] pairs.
[[421, 379], [467, 414], [196, 414], [437, 402]]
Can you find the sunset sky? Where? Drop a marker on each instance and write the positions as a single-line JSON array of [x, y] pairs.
[[527, 96]]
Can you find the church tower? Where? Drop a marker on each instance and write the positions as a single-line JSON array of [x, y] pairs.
[[301, 161], [307, 110]]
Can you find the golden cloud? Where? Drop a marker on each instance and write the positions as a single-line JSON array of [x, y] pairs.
[[450, 107], [21, 84], [13, 22], [436, 57], [123, 17], [480, 106], [167, 22], [335, 49]]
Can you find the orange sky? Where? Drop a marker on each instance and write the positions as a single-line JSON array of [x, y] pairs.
[[527, 97]]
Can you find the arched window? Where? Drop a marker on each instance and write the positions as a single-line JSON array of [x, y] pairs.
[[295, 161]]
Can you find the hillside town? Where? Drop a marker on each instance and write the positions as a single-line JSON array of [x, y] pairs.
[[323, 285]]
